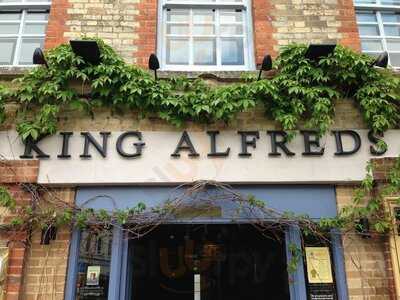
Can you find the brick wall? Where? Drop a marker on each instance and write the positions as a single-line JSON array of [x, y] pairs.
[[46, 265], [348, 29], [146, 31], [13, 174], [314, 21], [367, 262], [34, 271], [130, 27], [264, 42], [57, 23]]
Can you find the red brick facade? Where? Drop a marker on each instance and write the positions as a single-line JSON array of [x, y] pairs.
[[348, 28], [12, 176], [263, 30], [57, 24], [146, 31]]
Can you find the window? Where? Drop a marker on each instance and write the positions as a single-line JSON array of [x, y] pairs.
[[379, 26], [205, 35], [94, 265], [22, 29]]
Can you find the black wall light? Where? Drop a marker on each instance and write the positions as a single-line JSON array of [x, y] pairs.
[[266, 65], [316, 51], [154, 64], [88, 50], [362, 228], [38, 58], [381, 61], [48, 234]]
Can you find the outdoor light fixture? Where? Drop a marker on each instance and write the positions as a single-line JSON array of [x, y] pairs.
[[48, 234], [315, 52], [362, 227], [266, 65], [154, 64], [38, 57], [88, 50], [381, 61]]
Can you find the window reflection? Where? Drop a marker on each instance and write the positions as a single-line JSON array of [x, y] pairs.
[[94, 265]]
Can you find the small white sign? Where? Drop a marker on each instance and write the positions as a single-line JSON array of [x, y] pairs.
[[93, 275]]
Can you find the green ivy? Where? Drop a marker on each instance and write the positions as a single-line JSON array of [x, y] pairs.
[[301, 92], [6, 200]]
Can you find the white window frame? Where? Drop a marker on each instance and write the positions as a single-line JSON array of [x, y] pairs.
[[24, 6], [248, 41], [377, 8]]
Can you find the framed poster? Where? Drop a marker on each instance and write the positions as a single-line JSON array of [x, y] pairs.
[[319, 269], [93, 275]]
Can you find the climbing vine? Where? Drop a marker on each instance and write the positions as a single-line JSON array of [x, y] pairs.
[[303, 91]]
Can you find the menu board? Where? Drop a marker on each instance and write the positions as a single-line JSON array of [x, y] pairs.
[[319, 274], [319, 268]]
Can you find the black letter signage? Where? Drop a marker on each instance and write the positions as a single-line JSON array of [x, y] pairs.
[[213, 139], [375, 139], [185, 139], [138, 146], [275, 144], [65, 145], [31, 145], [245, 142], [314, 142], [339, 143], [89, 139]]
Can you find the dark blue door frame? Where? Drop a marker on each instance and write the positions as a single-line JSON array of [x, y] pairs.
[[316, 201], [120, 277]]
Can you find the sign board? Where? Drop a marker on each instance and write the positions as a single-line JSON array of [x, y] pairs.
[[154, 157]]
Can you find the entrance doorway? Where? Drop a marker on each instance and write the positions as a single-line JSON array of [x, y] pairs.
[[208, 262]]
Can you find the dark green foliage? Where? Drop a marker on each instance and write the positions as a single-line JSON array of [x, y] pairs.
[[301, 91]]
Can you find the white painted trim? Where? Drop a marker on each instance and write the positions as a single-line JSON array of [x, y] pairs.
[[248, 40], [24, 7]]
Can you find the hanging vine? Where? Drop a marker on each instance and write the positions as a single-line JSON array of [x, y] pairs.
[[302, 91]]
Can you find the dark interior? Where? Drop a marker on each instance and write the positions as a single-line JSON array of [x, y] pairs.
[[234, 262]]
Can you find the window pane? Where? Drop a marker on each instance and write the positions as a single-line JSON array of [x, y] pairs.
[[371, 45], [366, 17], [178, 15], [231, 16], [9, 28], [178, 51], [391, 17], [34, 28], [37, 16], [204, 52], [27, 48], [94, 265], [203, 29], [10, 15], [392, 30], [368, 30], [393, 45], [177, 29], [203, 16], [231, 29], [232, 51], [365, 1], [391, 2], [7, 47], [394, 59]]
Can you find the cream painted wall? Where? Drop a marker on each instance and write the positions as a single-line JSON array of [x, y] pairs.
[[157, 166]]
